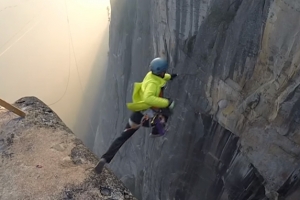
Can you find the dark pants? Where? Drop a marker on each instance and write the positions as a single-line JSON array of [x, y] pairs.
[[136, 117]]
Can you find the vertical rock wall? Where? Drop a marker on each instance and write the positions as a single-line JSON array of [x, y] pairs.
[[235, 131]]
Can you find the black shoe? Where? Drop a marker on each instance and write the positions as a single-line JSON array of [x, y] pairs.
[[100, 165]]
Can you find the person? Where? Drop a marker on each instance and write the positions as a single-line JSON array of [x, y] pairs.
[[149, 108]]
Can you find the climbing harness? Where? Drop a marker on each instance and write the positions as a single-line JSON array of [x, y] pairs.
[[156, 119], [136, 126], [159, 123]]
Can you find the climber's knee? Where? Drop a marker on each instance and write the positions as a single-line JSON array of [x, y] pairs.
[[133, 124]]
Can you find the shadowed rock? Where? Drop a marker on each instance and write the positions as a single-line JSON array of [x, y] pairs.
[[243, 51]]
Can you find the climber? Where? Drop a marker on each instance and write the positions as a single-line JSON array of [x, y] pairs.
[[149, 108]]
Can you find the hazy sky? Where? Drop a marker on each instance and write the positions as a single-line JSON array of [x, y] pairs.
[[55, 50]]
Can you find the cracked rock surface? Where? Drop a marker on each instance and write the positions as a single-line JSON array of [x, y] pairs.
[[40, 158]]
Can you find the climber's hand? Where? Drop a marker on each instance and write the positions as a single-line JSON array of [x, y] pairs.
[[171, 104], [168, 111], [173, 76]]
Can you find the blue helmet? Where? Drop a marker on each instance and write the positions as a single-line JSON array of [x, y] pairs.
[[159, 65]]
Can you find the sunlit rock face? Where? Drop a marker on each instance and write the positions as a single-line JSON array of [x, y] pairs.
[[235, 129], [41, 158]]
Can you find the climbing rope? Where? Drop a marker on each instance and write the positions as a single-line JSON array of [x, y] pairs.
[[71, 44], [76, 63], [66, 89]]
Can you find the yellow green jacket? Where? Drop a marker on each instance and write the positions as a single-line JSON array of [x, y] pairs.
[[146, 94]]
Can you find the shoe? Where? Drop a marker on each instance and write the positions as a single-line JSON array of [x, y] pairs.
[[100, 165]]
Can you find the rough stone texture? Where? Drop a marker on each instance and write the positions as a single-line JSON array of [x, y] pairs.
[[235, 132], [40, 158]]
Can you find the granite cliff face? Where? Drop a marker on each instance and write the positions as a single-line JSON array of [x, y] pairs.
[[235, 133]]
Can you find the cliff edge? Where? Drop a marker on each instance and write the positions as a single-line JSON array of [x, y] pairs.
[[42, 159]]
